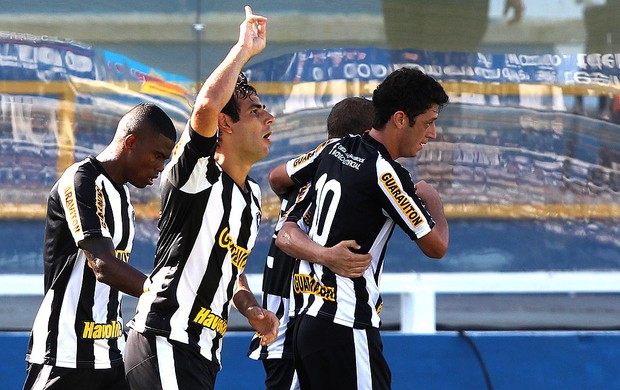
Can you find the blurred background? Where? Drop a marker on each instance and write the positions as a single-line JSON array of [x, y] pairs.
[[527, 158], [527, 161]]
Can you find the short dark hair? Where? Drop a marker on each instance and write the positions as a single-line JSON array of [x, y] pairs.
[[408, 90], [150, 117], [352, 115], [243, 90]]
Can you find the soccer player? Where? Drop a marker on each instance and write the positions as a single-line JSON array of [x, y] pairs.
[[210, 215], [77, 337], [360, 193], [352, 115]]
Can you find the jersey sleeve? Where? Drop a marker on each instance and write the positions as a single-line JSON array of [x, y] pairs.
[[400, 201], [192, 157], [302, 169], [82, 200], [301, 210]]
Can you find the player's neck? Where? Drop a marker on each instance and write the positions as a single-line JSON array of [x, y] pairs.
[[386, 138], [236, 169], [110, 160]]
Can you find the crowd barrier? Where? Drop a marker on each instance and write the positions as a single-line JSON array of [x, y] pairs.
[[418, 291]]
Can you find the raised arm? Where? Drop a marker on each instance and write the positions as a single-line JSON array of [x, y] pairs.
[[435, 243], [340, 258], [219, 87]]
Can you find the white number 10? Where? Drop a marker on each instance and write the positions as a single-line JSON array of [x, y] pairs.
[[327, 199]]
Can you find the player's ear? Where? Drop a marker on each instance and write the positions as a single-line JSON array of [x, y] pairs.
[[399, 118], [129, 141], [223, 123]]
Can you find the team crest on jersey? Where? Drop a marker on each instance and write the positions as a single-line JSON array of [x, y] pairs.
[[238, 254], [206, 318], [304, 283], [401, 199]]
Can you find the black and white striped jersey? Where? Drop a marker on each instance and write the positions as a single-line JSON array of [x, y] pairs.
[[79, 324], [360, 194], [277, 277], [208, 227]]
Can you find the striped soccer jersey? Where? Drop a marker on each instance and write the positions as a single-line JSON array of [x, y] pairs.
[[79, 323], [277, 277], [208, 227], [361, 193]]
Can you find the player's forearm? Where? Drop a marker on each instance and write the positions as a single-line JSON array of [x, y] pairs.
[[244, 298], [295, 242], [441, 229], [280, 181], [217, 90], [117, 274], [109, 269]]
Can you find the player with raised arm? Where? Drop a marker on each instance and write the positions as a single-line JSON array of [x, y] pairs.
[[210, 215]]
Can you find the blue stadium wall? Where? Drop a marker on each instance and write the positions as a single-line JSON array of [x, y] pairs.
[[445, 361]]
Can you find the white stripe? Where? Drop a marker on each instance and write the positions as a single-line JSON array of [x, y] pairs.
[[101, 348], [295, 382], [67, 338], [132, 222], [362, 360], [345, 309], [114, 198], [42, 378], [195, 268], [384, 167], [67, 181], [197, 180], [165, 362], [39, 329]]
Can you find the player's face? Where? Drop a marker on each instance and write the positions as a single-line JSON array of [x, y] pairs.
[[253, 129], [146, 158], [419, 132]]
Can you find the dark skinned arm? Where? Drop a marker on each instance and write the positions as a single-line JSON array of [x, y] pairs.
[[109, 269]]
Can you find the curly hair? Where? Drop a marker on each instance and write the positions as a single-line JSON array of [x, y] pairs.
[[408, 90], [243, 90]]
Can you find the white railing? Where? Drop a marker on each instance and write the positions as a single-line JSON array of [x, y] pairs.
[[418, 290]]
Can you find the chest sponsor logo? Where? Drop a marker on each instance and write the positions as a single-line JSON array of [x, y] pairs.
[[72, 210], [212, 321], [95, 331], [304, 283], [238, 254], [122, 255], [401, 199]]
